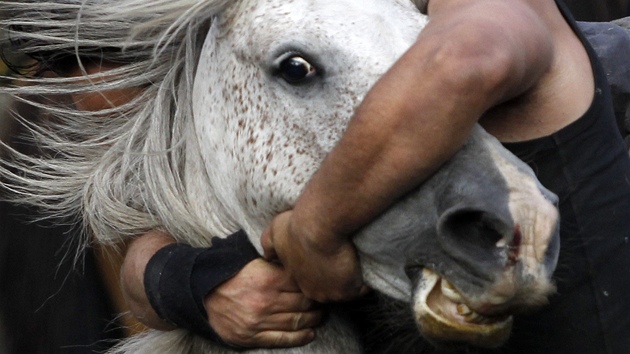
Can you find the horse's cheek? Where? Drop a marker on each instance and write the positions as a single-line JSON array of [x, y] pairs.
[[251, 146]]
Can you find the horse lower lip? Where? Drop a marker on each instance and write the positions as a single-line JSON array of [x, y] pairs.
[[443, 301], [453, 322]]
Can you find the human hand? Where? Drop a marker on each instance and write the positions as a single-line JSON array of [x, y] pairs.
[[262, 307], [324, 273]]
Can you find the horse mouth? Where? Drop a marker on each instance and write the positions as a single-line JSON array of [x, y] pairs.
[[445, 319]]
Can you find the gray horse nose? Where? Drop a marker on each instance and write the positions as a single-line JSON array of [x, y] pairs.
[[471, 235]]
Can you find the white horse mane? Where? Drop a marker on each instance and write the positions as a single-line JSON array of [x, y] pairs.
[[129, 165]]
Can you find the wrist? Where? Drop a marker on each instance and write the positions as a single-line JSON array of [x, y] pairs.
[[178, 277], [315, 234], [138, 255]]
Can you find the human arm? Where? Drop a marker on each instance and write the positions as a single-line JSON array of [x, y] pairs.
[[138, 255], [260, 306], [466, 61]]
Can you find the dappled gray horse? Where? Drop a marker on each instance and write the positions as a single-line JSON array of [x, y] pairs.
[[242, 101]]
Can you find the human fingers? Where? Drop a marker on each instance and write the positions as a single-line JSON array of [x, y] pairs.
[[277, 231], [291, 302], [257, 299], [294, 321], [339, 280], [328, 274], [266, 240], [265, 276], [282, 339], [280, 330]]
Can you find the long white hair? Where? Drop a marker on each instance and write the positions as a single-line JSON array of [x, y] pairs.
[[120, 171]]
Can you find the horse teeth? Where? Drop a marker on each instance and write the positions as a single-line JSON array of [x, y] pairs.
[[449, 291], [463, 310], [472, 316]]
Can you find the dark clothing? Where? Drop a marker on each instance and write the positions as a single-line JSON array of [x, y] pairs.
[[48, 305], [612, 45], [598, 10], [586, 164]]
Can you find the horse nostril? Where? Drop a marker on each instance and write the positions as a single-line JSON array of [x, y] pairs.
[[473, 227], [472, 237]]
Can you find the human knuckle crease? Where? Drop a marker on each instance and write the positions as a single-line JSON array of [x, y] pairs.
[[252, 322], [297, 321], [279, 340]]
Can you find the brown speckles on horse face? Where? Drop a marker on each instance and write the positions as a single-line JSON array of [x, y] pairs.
[[271, 135], [263, 135]]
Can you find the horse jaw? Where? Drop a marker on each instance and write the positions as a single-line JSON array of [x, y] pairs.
[[454, 321], [464, 283]]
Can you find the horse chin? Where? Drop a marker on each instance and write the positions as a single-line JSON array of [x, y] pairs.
[[445, 319]]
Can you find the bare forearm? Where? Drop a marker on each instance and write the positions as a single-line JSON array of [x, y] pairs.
[[407, 126], [132, 277], [414, 119]]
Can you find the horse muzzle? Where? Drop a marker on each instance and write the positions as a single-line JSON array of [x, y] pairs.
[[496, 247]]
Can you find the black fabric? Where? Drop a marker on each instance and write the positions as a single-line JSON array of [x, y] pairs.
[[598, 10], [587, 165], [612, 45], [49, 304], [178, 277]]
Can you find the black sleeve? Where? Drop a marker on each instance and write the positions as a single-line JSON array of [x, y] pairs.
[[178, 277]]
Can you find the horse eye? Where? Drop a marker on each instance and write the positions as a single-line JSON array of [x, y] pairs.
[[296, 69]]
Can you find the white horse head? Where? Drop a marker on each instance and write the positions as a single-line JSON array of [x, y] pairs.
[[286, 98], [242, 101]]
